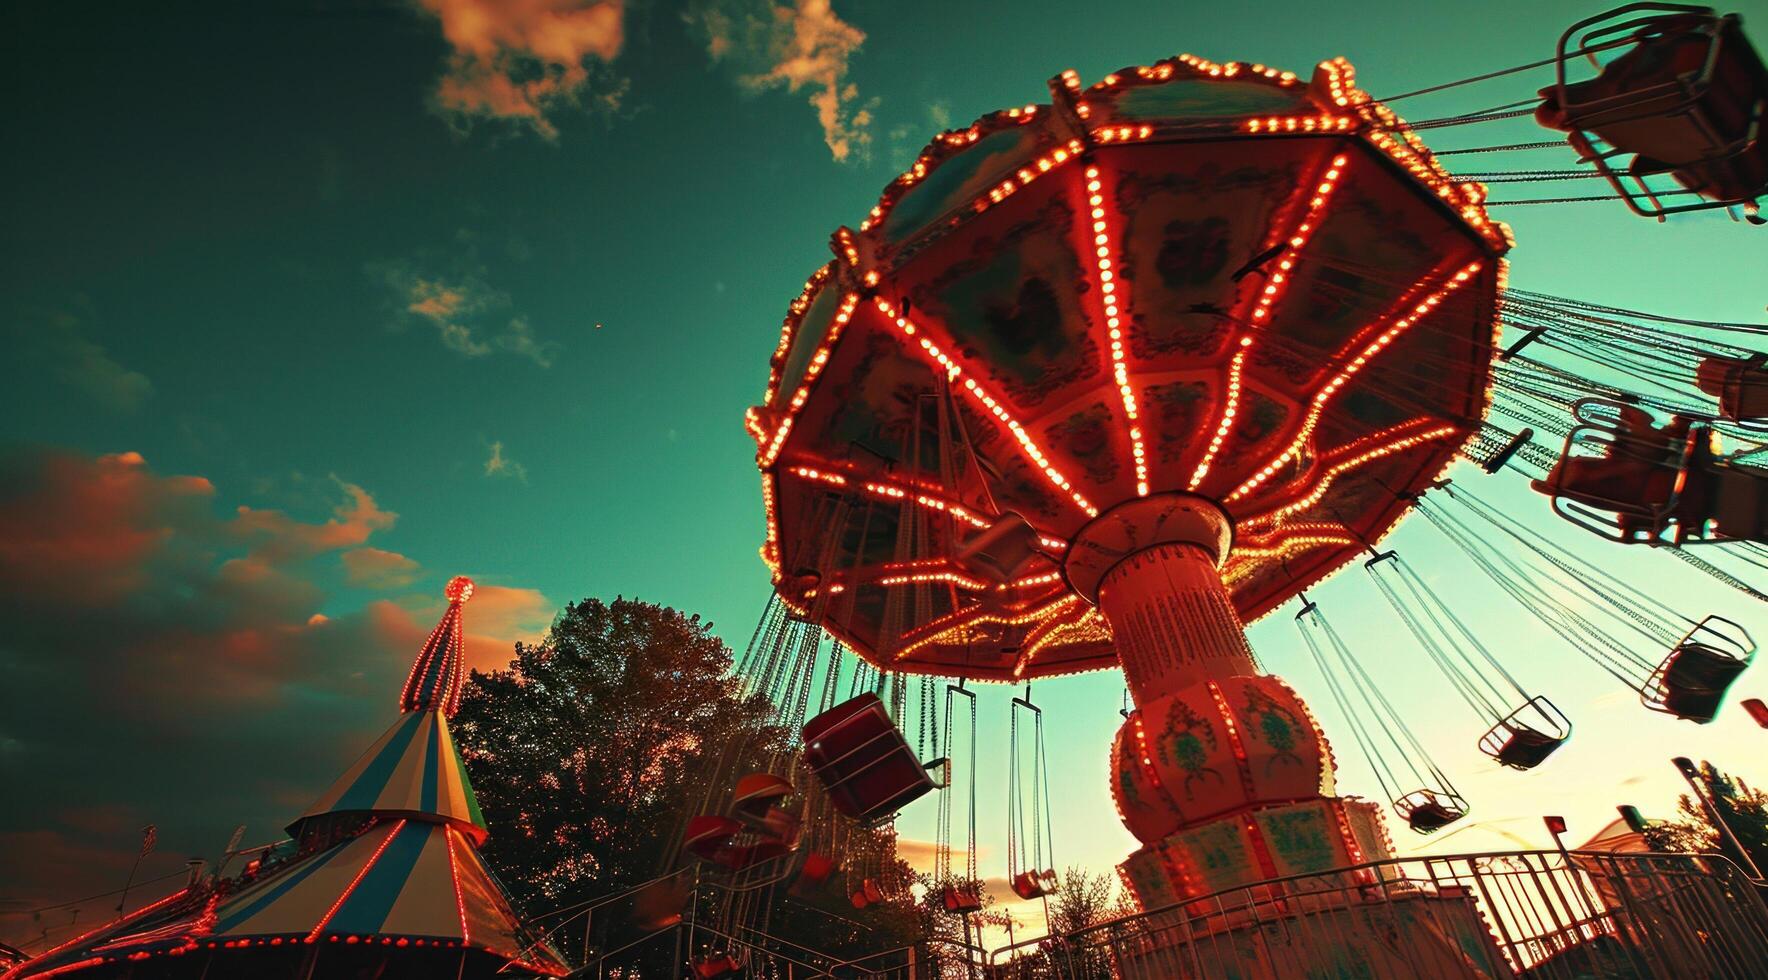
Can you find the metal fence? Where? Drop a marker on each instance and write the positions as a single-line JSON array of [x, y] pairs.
[[1535, 914], [1550, 915]]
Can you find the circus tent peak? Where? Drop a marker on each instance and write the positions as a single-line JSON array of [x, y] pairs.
[[387, 858], [414, 769], [435, 678]]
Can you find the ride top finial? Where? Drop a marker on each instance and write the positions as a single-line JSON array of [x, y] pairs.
[[459, 589]]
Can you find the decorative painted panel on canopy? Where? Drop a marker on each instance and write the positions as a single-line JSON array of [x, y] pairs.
[[1191, 276]]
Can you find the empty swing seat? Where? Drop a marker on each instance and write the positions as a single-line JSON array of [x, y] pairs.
[[756, 794], [1692, 681], [1034, 884], [1428, 811], [717, 839], [862, 760], [866, 893], [1524, 748], [961, 899], [1525, 738]]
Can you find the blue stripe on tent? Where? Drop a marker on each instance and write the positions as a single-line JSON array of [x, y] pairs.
[[366, 790], [427, 798], [369, 905], [281, 888]]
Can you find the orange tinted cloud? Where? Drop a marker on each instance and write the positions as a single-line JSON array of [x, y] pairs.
[[524, 59], [803, 47], [373, 568], [81, 529], [167, 662]]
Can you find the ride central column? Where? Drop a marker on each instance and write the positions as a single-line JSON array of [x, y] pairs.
[[1220, 771], [1172, 620]]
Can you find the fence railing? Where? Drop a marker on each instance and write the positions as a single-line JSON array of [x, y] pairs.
[[1535, 914], [1543, 915]]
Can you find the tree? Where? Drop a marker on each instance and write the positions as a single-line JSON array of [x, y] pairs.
[[1083, 900], [593, 747], [1744, 809]]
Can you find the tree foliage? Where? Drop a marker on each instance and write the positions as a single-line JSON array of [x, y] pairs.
[[593, 747], [1744, 809]]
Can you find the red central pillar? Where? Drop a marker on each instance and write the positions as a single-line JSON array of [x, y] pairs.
[[1220, 771]]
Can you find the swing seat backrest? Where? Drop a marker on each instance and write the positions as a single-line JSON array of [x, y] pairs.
[[1688, 92], [758, 793], [1525, 738], [1692, 681], [1739, 384], [659, 905], [1521, 748], [862, 760], [960, 900], [1427, 811]]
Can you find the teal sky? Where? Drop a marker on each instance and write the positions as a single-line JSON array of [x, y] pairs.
[[302, 251]]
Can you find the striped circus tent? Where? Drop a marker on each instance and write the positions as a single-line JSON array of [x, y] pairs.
[[382, 875], [413, 770]]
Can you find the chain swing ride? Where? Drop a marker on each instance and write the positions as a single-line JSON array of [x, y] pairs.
[[1101, 379], [1098, 381]]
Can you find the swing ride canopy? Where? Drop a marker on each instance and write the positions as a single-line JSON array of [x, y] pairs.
[[1214, 278]]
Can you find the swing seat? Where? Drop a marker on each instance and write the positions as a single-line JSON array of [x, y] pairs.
[[716, 965], [867, 893], [1692, 680], [1739, 383], [960, 899], [708, 834], [659, 905], [816, 871], [1034, 884], [1428, 811], [757, 795], [1001, 550], [1686, 99], [1523, 748], [714, 838], [1629, 480], [1525, 738], [862, 760]]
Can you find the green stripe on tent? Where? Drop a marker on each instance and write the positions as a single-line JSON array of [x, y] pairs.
[[366, 791]]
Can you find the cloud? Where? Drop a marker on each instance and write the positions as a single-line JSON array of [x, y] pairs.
[[373, 568], [59, 342], [469, 316], [524, 61], [500, 465], [167, 660], [802, 46]]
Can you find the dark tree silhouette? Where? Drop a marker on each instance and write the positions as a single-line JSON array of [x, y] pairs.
[[591, 749], [1744, 808]]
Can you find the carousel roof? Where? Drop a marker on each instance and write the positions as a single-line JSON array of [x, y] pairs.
[[1219, 279], [387, 857]]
